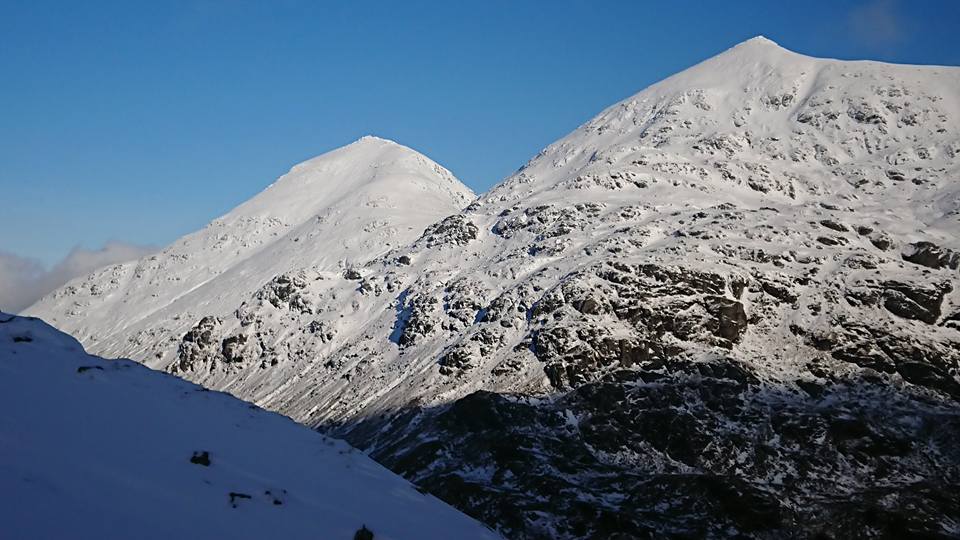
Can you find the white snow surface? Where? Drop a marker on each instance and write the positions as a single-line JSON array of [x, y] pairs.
[[340, 209], [730, 166], [94, 448]]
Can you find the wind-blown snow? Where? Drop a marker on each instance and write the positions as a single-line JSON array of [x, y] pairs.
[[93, 448]]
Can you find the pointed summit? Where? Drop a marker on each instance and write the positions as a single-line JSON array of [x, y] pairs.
[[372, 166], [725, 104], [760, 41], [374, 139], [745, 64], [757, 46], [342, 208], [758, 49]]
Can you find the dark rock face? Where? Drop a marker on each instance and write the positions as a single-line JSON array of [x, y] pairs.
[[731, 319], [286, 292], [415, 319], [931, 365], [656, 305], [662, 425], [231, 348], [931, 255], [199, 345], [952, 321], [881, 241], [547, 221], [916, 302], [681, 449], [205, 347], [835, 225], [831, 240], [455, 230]]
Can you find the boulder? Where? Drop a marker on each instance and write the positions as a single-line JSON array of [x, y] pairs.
[[931, 255]]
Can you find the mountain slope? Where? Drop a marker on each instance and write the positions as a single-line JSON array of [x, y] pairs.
[[328, 213], [91, 448], [701, 171], [642, 330]]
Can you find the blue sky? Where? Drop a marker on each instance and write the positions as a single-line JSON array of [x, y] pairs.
[[141, 121]]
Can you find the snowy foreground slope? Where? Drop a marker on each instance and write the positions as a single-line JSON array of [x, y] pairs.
[[93, 448], [728, 305]]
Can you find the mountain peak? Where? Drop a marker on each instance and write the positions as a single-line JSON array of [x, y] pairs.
[[757, 48], [375, 139], [723, 106], [350, 204], [762, 41], [369, 162]]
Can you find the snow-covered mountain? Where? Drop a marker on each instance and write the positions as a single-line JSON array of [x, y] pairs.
[[325, 216], [93, 448], [728, 304]]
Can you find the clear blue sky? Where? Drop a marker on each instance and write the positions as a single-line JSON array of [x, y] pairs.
[[140, 121]]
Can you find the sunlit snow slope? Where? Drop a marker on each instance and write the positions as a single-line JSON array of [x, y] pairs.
[[327, 214]]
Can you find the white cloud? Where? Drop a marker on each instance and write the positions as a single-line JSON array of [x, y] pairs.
[[878, 23], [23, 281]]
